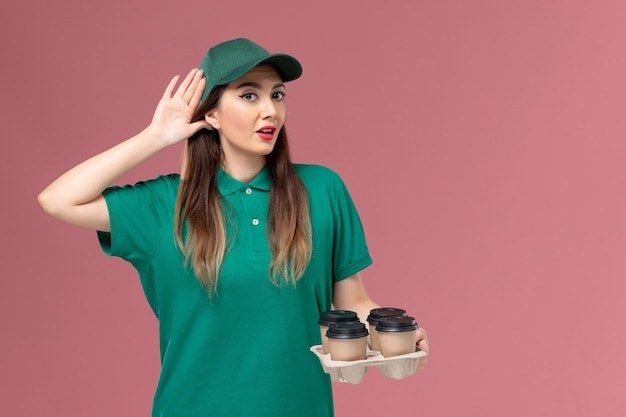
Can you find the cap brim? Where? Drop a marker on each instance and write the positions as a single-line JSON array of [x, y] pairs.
[[288, 69], [287, 66]]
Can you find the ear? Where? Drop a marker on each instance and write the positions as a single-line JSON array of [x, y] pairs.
[[211, 118]]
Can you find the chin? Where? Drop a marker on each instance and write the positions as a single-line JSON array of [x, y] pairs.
[[267, 149]]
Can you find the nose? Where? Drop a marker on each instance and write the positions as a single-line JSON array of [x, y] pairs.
[[268, 109]]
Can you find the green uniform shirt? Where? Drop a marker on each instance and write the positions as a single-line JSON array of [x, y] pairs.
[[245, 350]]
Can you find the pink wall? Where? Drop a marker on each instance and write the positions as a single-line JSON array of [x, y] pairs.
[[482, 141]]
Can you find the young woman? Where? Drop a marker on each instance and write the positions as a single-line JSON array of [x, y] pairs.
[[240, 253]]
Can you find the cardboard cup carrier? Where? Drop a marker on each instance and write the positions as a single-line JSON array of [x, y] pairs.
[[348, 357]]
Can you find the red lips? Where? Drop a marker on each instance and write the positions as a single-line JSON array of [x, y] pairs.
[[266, 132]]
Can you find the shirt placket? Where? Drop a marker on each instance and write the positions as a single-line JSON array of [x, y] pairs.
[[255, 218]]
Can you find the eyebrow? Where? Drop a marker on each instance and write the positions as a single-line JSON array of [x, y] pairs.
[[257, 85]]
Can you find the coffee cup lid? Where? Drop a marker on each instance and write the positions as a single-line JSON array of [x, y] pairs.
[[377, 313], [334, 316], [347, 330], [396, 324]]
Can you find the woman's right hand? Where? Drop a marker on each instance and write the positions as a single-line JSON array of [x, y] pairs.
[[171, 122]]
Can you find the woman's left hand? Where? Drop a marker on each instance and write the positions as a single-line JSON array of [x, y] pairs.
[[422, 344]]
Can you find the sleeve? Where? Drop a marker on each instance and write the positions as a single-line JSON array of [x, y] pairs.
[[139, 214], [350, 252]]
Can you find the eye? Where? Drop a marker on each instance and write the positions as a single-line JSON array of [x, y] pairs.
[[278, 95], [248, 96]]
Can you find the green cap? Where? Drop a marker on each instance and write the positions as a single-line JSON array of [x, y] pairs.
[[230, 60]]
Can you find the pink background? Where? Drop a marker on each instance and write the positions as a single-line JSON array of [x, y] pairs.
[[483, 142]]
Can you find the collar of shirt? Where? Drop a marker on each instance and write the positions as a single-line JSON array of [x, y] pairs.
[[228, 185]]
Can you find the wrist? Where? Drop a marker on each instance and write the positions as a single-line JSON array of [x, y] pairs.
[[154, 139]]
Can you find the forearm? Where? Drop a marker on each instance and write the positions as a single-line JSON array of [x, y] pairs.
[[86, 181], [350, 294]]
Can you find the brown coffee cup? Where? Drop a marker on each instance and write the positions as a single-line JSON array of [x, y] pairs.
[[347, 341], [375, 315], [397, 335], [333, 316]]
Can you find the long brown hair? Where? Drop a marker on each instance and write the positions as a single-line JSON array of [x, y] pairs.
[[200, 207]]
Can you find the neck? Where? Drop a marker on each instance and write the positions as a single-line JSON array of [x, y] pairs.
[[243, 169]]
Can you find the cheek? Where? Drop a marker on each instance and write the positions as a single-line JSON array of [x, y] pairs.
[[281, 113], [235, 118]]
